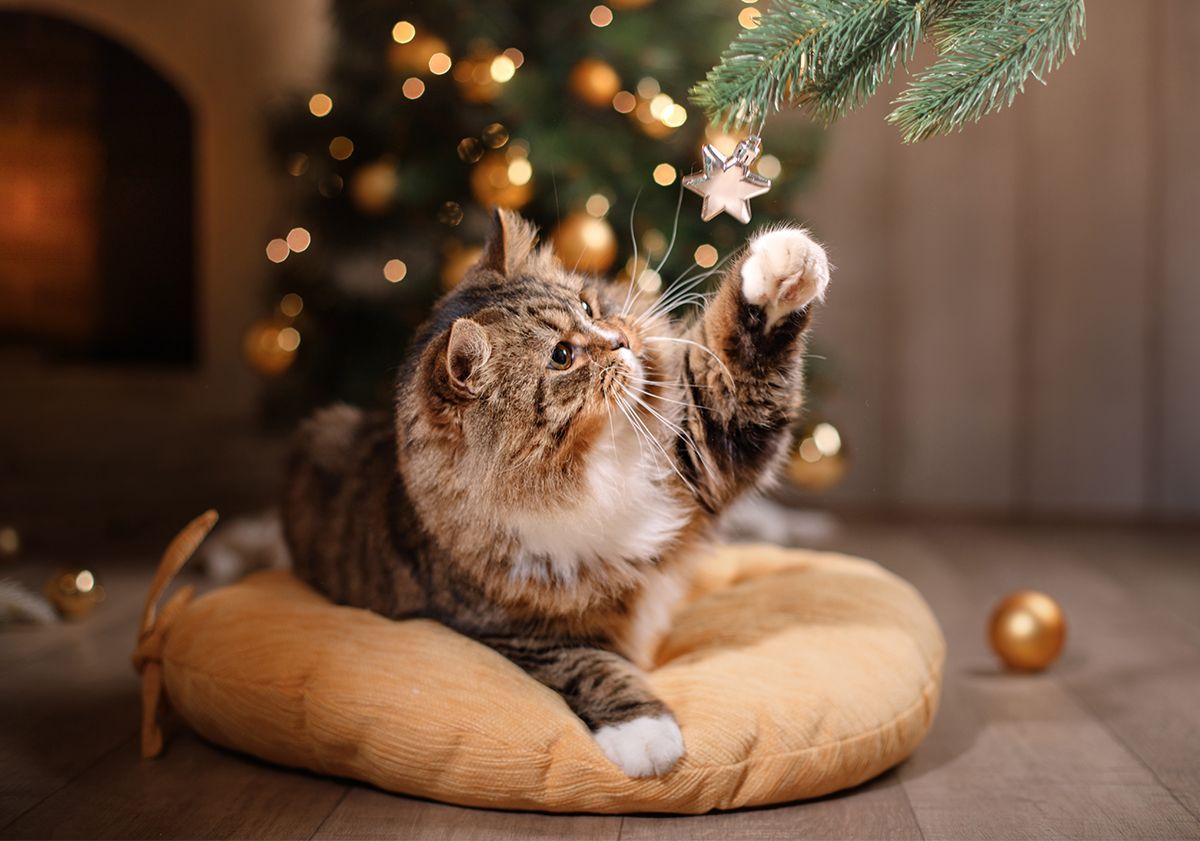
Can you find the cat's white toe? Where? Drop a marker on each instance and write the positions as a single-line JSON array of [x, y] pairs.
[[785, 270], [644, 747]]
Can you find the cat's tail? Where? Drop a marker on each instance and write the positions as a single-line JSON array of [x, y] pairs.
[[244, 545]]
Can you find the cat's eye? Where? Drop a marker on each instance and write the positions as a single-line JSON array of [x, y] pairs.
[[586, 307], [562, 356]]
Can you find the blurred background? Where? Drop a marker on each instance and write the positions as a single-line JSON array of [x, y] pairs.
[[216, 216]]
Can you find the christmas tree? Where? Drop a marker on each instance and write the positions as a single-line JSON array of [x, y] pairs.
[[434, 112]]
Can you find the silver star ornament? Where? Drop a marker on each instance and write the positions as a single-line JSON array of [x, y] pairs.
[[728, 184]]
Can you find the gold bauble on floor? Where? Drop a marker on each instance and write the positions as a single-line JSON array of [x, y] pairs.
[[1027, 630], [585, 243], [74, 593]]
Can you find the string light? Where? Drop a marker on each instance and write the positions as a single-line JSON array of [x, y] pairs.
[[413, 87], [654, 241], [520, 171], [601, 16], [659, 105], [298, 239], [706, 256], [650, 281], [403, 32], [291, 305], [288, 339], [277, 250], [470, 150], [827, 439], [769, 166], [515, 56], [439, 64], [596, 205], [675, 116], [648, 88], [394, 270], [748, 18], [664, 175], [320, 104], [495, 135], [624, 102], [341, 148], [450, 213], [503, 68]]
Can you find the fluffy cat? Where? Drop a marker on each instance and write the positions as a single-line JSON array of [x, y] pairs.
[[558, 450]]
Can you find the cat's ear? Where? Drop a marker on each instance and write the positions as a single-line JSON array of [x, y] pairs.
[[509, 243], [466, 352]]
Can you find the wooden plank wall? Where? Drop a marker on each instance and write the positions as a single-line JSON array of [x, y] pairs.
[[1015, 320]]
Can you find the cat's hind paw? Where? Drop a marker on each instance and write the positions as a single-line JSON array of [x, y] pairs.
[[785, 270], [643, 747]]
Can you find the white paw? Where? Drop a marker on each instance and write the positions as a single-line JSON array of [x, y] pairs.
[[785, 270], [644, 747]]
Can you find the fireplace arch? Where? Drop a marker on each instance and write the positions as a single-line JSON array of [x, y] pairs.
[[97, 229]]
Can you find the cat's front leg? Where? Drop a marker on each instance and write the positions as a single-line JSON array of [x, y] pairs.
[[784, 270], [633, 728], [742, 367]]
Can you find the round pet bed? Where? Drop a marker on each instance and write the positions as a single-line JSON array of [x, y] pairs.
[[792, 674]]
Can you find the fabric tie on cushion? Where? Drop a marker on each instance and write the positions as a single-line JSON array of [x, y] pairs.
[[152, 633]]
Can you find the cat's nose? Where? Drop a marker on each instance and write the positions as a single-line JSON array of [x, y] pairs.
[[618, 339]]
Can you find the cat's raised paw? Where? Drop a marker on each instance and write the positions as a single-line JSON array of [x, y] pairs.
[[643, 747], [785, 270]]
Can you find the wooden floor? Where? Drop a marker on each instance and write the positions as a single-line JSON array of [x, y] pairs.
[[1105, 745]]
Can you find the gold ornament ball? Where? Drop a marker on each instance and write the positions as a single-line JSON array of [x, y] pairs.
[[373, 187], [269, 347], [818, 458], [74, 593], [595, 82], [1027, 630], [492, 186], [583, 241]]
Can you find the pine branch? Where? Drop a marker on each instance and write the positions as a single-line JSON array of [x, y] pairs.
[[854, 56], [994, 48], [764, 65], [830, 56]]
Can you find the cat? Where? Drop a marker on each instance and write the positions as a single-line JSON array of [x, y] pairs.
[[557, 452]]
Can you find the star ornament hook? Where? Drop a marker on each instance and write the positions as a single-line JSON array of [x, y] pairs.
[[728, 184]]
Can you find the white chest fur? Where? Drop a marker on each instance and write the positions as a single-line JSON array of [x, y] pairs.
[[624, 514]]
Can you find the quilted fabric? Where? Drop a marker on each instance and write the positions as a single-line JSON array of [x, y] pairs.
[[792, 674]]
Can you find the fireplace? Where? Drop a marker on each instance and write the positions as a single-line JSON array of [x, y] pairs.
[[97, 259]]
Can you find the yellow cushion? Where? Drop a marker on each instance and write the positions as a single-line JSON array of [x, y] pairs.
[[792, 674]]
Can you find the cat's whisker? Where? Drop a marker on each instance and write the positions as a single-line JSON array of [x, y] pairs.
[[687, 281], [652, 396], [679, 431], [674, 230], [633, 240], [639, 423], [705, 348], [671, 298]]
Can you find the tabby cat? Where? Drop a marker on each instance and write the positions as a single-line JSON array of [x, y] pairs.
[[558, 450]]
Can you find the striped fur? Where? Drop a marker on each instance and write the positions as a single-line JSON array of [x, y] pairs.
[[550, 514]]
